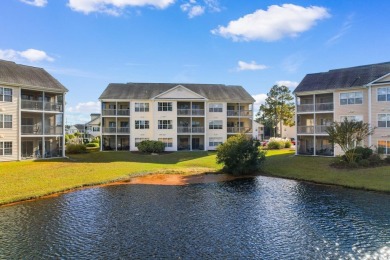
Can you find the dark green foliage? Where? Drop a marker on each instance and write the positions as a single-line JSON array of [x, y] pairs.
[[96, 140], [240, 155], [364, 163], [151, 146], [75, 148], [365, 152], [375, 160], [287, 144], [387, 160], [275, 145]]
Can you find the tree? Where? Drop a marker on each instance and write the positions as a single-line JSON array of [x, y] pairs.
[[348, 134], [278, 108], [240, 155]]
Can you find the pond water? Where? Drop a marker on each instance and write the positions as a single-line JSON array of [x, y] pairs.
[[256, 218]]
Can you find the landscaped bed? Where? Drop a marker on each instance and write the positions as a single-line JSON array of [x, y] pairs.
[[31, 179]]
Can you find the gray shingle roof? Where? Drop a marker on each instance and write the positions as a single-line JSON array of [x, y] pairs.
[[27, 76], [343, 78], [150, 90]]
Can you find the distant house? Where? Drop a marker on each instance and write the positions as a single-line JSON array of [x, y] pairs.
[[72, 129], [32, 105], [182, 116], [92, 128], [358, 93]]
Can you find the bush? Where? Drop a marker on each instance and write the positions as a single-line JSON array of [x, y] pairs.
[[92, 145], [150, 146], [240, 155], [375, 160], [364, 151], [279, 143], [364, 163], [387, 160], [96, 140], [75, 148], [287, 143]]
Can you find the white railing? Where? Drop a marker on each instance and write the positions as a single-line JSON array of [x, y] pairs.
[[31, 130], [53, 106], [321, 129], [53, 130], [183, 112], [239, 129], [324, 106], [305, 129], [305, 108], [198, 112], [109, 112], [184, 129], [32, 105], [124, 130], [198, 129], [232, 112], [123, 112], [246, 113], [109, 130]]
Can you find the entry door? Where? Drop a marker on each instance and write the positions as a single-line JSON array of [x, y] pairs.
[[195, 143], [27, 148]]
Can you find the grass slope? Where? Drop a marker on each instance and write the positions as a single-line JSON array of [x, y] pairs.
[[316, 169]]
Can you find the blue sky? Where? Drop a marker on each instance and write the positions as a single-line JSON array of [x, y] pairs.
[[87, 44]]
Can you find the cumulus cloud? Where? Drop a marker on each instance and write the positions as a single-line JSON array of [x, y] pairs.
[[242, 65], [259, 100], [39, 3], [81, 112], [287, 83], [114, 7], [277, 22], [31, 55], [194, 8]]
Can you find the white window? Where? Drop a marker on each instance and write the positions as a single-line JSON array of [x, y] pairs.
[[5, 148], [383, 120], [351, 118], [141, 124], [167, 141], [384, 94], [215, 107], [5, 121], [95, 128], [215, 141], [164, 106], [141, 107], [385, 146], [164, 124], [351, 98], [215, 124], [138, 140], [6, 94]]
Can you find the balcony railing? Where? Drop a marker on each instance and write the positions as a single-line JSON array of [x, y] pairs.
[[124, 130], [53, 130], [183, 112], [232, 112], [109, 112], [246, 113], [32, 105], [198, 112], [321, 129], [305, 129], [123, 112], [53, 106], [239, 129], [324, 106], [305, 108], [198, 129], [31, 130], [109, 130]]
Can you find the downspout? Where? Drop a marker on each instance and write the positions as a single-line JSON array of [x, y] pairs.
[[369, 113]]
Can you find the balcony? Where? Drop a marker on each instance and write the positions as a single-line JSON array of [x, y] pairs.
[[318, 107], [124, 130], [305, 129], [305, 108], [123, 112], [32, 105], [324, 106], [109, 112], [321, 129], [53, 130], [182, 129], [183, 112], [235, 130], [37, 130], [109, 130], [53, 106]]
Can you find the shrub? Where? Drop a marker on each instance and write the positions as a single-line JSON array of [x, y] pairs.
[[364, 151], [375, 160], [75, 148], [387, 160], [92, 145], [287, 143], [96, 140], [364, 163], [240, 155], [151, 146]]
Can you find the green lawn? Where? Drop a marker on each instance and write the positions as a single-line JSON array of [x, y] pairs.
[[316, 169], [31, 179]]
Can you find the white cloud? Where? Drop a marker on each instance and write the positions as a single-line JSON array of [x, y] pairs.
[[114, 7], [273, 24], [242, 65], [39, 3], [287, 83], [31, 55], [81, 113], [85, 107], [259, 100], [194, 8]]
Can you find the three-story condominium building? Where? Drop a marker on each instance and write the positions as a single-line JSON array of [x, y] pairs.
[[31, 113], [356, 93], [183, 116]]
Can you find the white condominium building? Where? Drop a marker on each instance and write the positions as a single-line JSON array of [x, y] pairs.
[[183, 116]]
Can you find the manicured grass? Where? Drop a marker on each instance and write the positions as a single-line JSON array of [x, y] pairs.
[[32, 179], [284, 164]]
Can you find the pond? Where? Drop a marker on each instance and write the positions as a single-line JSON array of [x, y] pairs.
[[256, 218]]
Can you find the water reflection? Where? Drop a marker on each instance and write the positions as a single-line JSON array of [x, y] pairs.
[[249, 218]]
